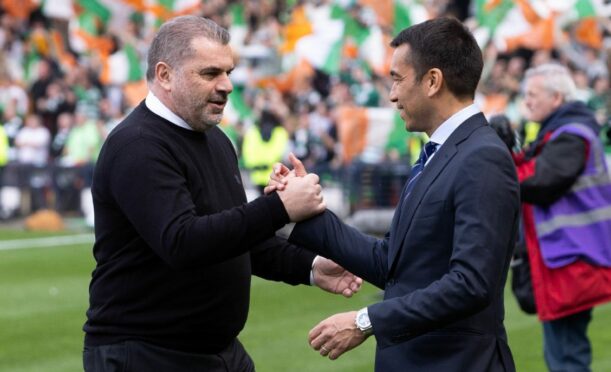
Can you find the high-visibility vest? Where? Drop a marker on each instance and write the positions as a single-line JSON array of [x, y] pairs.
[[3, 147], [259, 156]]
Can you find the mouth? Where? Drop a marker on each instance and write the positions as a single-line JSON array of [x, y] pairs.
[[218, 104]]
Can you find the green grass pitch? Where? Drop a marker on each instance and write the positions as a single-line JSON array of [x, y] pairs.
[[43, 298]]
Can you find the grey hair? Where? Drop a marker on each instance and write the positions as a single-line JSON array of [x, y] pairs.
[[172, 44], [558, 79]]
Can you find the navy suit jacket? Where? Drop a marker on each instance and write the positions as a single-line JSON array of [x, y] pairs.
[[444, 262]]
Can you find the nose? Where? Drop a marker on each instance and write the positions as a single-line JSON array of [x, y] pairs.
[[224, 84], [393, 94]]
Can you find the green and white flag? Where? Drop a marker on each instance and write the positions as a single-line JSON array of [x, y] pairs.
[[238, 29], [237, 109], [323, 47], [125, 66]]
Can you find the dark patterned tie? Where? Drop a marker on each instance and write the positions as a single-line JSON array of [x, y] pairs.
[[428, 150]]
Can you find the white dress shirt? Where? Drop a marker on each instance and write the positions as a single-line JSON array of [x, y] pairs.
[[448, 127], [156, 106]]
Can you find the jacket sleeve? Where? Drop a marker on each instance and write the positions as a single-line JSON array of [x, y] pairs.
[[360, 254], [556, 169], [146, 184]]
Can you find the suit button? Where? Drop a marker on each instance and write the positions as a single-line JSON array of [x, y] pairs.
[[391, 282]]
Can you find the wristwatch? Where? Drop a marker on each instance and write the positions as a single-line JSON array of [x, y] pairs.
[[362, 322]]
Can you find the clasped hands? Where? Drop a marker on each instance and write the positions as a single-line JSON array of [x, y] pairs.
[[299, 191], [337, 334]]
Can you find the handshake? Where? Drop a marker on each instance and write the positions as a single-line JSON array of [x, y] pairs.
[[299, 191]]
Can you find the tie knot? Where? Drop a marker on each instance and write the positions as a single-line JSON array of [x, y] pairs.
[[429, 149]]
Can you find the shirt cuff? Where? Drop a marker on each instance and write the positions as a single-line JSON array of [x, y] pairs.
[[312, 270]]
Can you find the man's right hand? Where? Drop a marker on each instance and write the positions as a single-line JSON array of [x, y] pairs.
[[302, 197]]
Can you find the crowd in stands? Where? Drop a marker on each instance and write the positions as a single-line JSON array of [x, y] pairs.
[[311, 77]]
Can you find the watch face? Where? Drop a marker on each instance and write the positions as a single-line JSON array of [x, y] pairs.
[[363, 320]]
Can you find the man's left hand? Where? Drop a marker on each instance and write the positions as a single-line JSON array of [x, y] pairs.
[[280, 174], [333, 278], [335, 335]]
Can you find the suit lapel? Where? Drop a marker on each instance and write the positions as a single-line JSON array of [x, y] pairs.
[[431, 172], [396, 222]]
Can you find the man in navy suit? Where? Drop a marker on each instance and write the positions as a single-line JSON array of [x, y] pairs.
[[444, 262]]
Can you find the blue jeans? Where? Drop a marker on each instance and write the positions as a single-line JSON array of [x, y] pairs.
[[566, 346]]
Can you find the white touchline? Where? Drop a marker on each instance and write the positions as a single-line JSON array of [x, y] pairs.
[[52, 241]]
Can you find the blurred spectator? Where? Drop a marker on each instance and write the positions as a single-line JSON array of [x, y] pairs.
[[322, 141], [600, 100], [541, 57], [300, 137], [362, 88], [110, 116], [565, 189], [84, 140], [4, 150], [583, 92], [492, 81], [55, 101], [584, 58], [32, 143], [265, 144], [512, 80], [12, 47], [74, 171], [12, 124], [38, 89], [87, 90], [13, 95], [64, 125], [67, 181]]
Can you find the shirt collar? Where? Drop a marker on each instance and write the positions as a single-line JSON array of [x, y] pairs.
[[157, 107], [446, 128]]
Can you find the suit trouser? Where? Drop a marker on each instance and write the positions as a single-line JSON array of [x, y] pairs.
[[141, 356], [566, 346]]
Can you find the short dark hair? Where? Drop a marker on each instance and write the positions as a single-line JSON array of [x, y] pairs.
[[444, 43], [172, 44]]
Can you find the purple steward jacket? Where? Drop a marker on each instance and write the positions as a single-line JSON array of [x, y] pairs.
[[578, 225]]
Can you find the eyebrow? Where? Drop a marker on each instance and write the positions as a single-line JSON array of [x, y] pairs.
[[214, 70]]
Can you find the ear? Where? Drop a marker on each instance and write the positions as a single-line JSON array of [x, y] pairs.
[[434, 81], [558, 100], [163, 74]]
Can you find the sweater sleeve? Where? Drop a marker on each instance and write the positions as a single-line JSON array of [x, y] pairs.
[[152, 192], [556, 169], [276, 259]]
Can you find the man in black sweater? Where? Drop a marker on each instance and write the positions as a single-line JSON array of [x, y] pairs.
[[176, 242]]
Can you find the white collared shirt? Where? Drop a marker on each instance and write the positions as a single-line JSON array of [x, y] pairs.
[[156, 106], [443, 132]]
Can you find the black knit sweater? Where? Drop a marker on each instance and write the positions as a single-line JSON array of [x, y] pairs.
[[176, 242]]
